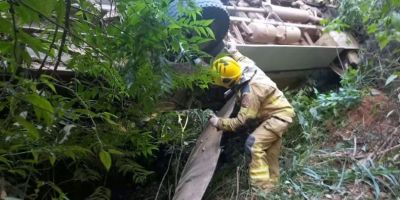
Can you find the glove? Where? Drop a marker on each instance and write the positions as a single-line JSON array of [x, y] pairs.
[[231, 47], [214, 120]]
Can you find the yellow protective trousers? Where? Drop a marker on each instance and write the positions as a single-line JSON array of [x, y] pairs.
[[264, 147]]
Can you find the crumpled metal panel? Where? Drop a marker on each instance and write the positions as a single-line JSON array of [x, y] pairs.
[[272, 58]]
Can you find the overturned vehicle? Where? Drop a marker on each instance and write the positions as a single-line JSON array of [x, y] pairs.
[[284, 37]]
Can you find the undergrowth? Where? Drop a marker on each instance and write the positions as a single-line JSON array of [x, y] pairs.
[[309, 168], [78, 93]]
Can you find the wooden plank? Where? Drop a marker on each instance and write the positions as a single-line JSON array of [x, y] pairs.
[[202, 161]]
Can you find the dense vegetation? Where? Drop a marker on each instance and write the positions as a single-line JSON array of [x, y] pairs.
[[101, 128], [60, 132]]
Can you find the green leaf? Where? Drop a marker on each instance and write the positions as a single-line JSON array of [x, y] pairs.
[[18, 172], [33, 132], [34, 43], [35, 155], [210, 33], [139, 6], [203, 31], [60, 11], [4, 6], [174, 26], [40, 102], [47, 77], [87, 112], [44, 7], [5, 161], [390, 79], [383, 40], [372, 178], [5, 26], [107, 117], [115, 152], [2, 106], [52, 159], [26, 57], [26, 15], [105, 158], [207, 22], [48, 83], [372, 28], [5, 47], [324, 22], [43, 109], [100, 193]]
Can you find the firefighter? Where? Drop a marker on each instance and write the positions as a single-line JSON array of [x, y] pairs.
[[260, 102]]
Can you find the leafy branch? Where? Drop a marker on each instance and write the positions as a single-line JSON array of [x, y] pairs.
[[65, 29]]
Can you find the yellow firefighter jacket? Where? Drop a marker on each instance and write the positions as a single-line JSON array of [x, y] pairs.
[[260, 98]]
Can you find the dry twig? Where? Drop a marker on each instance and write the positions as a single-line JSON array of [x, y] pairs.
[[387, 143], [165, 174], [237, 182]]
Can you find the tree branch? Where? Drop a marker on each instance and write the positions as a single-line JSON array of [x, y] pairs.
[[50, 47], [64, 36], [15, 30]]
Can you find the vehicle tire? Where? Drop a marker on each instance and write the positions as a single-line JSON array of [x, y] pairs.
[[212, 9], [216, 49]]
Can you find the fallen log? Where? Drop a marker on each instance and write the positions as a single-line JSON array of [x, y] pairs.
[[200, 166]]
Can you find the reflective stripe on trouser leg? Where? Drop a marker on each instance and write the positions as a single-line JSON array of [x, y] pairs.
[[278, 127], [258, 168], [273, 160]]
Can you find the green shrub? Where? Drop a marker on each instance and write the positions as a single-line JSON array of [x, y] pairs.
[[82, 128]]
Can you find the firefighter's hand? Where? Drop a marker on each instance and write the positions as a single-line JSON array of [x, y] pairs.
[[231, 47], [214, 120]]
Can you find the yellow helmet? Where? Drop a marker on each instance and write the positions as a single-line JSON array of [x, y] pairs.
[[229, 71]]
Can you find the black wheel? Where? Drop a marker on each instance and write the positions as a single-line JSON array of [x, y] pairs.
[[211, 9], [216, 49]]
